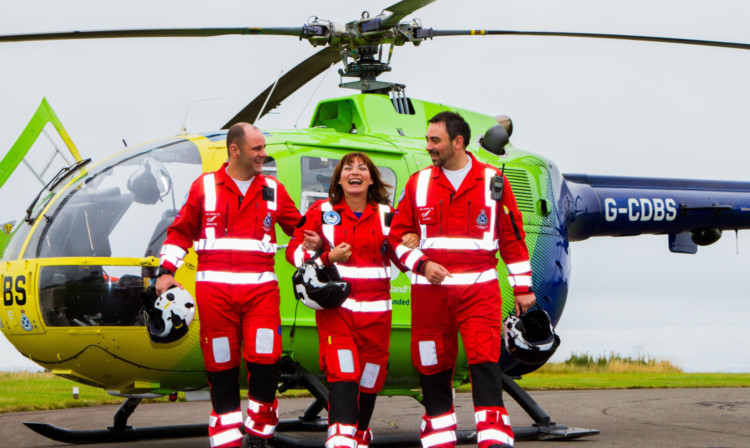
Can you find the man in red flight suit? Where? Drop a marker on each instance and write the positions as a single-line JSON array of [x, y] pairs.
[[454, 280], [229, 219]]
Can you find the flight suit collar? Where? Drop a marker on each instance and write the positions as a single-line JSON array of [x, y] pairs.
[[222, 178], [342, 208], [476, 173]]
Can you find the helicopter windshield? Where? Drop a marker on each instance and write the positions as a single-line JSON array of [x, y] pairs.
[[122, 208]]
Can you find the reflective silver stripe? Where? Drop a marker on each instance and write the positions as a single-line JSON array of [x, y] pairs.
[[235, 278], [438, 438], [423, 182], [272, 184], [241, 244], [327, 228], [225, 437], [266, 430], [445, 421], [335, 441], [519, 280], [384, 210], [459, 244], [459, 279], [401, 250], [212, 420], [299, 255], [344, 430], [481, 416], [489, 235], [377, 306], [172, 254], [412, 259], [494, 434], [209, 193], [519, 268], [231, 418], [364, 273]]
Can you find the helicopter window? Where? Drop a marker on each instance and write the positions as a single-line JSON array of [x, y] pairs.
[[269, 167], [82, 296], [317, 173], [123, 207]]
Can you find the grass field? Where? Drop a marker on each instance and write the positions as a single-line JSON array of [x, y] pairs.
[[25, 391]]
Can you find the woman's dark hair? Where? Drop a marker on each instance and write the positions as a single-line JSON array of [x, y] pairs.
[[377, 192]]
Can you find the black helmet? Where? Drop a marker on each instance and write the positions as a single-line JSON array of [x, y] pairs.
[[320, 287], [530, 338], [495, 139], [168, 314]]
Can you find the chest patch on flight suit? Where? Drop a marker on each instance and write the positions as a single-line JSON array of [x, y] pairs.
[[332, 218], [212, 219], [426, 215], [267, 222], [483, 221]]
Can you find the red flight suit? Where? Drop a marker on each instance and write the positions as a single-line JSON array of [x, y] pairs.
[[463, 231], [236, 288]]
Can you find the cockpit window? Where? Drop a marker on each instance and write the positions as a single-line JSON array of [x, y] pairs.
[[317, 173], [86, 296], [121, 208]]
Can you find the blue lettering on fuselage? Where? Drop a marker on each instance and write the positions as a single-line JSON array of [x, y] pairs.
[[641, 209]]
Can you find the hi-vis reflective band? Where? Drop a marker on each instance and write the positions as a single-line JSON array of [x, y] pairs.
[[445, 421], [209, 193], [384, 210], [226, 437], [235, 278], [494, 435], [172, 254], [341, 436], [482, 416], [273, 185], [241, 244], [352, 273], [231, 418], [439, 439], [259, 410], [328, 228], [468, 278], [519, 274], [377, 306]]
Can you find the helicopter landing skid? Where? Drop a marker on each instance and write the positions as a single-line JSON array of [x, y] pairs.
[[542, 429]]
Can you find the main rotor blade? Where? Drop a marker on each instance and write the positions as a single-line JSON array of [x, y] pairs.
[[669, 40], [287, 85], [177, 32], [403, 9]]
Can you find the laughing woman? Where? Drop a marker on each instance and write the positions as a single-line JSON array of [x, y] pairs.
[[353, 339]]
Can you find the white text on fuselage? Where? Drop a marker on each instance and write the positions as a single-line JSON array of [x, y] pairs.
[[642, 209]]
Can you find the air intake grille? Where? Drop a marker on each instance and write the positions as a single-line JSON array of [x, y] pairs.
[[519, 182]]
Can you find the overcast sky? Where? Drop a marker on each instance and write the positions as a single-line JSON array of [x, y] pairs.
[[591, 106]]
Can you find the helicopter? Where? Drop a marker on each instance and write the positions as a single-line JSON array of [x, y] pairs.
[[411, 141]]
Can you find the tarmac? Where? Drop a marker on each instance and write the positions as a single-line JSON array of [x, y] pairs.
[[624, 418]]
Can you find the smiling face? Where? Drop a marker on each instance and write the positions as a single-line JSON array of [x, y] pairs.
[[440, 146], [247, 154], [355, 178]]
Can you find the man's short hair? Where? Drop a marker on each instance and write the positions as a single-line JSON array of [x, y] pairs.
[[236, 134], [455, 125]]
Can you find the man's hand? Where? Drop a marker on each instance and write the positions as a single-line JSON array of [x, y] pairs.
[[313, 241], [435, 272], [340, 253], [524, 302], [410, 240], [164, 282]]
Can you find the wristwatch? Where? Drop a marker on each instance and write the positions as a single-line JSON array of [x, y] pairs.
[[162, 271]]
